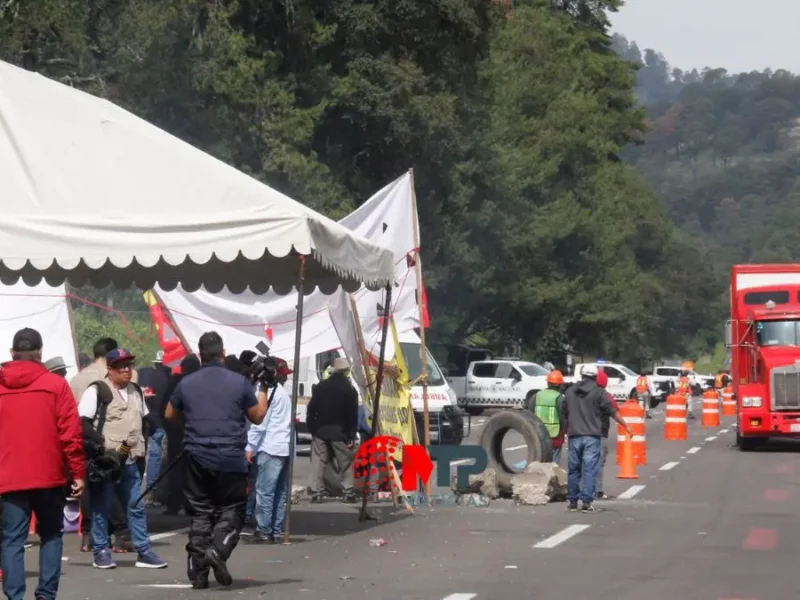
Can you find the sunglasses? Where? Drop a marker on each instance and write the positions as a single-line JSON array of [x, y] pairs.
[[125, 367]]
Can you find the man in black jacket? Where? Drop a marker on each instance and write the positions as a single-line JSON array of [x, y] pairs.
[[332, 417]]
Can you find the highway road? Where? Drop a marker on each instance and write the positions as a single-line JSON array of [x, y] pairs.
[[703, 522]]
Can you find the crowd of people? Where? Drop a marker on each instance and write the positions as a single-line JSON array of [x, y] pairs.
[[100, 438]]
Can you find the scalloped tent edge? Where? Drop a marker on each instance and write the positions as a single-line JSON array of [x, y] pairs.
[[90, 193]]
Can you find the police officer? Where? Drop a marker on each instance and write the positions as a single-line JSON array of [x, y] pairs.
[[215, 403]]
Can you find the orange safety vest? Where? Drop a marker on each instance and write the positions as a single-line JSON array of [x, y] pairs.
[[718, 382], [641, 385], [683, 386]]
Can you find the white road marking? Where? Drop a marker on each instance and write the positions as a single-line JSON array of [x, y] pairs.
[[631, 492], [693, 450], [668, 466], [711, 439], [562, 536], [168, 586], [460, 597], [511, 566], [168, 534], [724, 430]]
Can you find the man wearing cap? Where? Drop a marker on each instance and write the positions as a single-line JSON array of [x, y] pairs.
[[154, 381], [40, 436], [116, 409], [215, 404], [332, 417], [95, 371], [584, 407], [268, 446]]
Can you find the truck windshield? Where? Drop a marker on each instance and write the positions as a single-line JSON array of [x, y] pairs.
[[411, 352], [533, 370], [778, 333]]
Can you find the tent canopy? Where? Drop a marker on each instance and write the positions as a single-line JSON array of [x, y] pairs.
[[91, 194]]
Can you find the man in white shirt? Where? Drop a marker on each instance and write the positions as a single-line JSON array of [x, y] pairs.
[[114, 409], [268, 444]]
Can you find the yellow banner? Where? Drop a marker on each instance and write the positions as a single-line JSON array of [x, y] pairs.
[[395, 412]]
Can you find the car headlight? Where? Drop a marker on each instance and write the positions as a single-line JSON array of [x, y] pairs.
[[751, 401], [452, 395]]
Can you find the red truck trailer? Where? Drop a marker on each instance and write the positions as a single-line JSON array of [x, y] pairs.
[[763, 337]]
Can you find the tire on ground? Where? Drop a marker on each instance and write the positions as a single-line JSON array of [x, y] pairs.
[[533, 431]]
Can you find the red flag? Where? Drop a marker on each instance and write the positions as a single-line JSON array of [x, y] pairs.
[[167, 338], [426, 320], [268, 333]]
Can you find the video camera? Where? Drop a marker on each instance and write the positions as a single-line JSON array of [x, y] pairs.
[[264, 368]]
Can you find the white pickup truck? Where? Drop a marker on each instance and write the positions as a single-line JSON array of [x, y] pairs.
[[669, 376], [498, 383], [621, 379]]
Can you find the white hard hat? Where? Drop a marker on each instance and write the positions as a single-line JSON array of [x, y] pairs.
[[589, 371]]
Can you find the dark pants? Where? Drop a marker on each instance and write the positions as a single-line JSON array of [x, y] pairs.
[[117, 523], [217, 503], [48, 506], [174, 497]]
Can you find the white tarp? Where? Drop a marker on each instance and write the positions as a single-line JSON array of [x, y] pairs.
[[385, 219], [93, 194], [45, 309]]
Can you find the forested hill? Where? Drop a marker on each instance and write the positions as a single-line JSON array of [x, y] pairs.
[[724, 155], [513, 115]]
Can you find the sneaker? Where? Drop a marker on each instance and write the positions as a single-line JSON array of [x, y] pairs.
[[86, 543], [350, 498], [217, 563], [150, 560], [587, 507], [103, 560], [601, 496], [150, 501], [260, 539], [572, 507], [200, 582], [248, 529], [648, 416]]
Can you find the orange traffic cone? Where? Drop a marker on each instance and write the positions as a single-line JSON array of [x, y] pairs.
[[627, 469]]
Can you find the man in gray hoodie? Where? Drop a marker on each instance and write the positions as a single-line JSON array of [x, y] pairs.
[[584, 409]]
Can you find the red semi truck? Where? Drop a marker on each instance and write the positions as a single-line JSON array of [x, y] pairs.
[[763, 337]]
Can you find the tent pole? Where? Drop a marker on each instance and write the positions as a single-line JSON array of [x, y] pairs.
[[71, 315], [298, 335], [376, 399], [423, 354]]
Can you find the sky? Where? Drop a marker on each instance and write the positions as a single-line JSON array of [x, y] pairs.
[[738, 35]]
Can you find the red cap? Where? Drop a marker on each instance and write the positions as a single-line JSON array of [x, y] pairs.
[[602, 378]]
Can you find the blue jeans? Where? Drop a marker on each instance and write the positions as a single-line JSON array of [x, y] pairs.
[[272, 490], [127, 489], [583, 459], [154, 456], [557, 455], [250, 515], [48, 505]]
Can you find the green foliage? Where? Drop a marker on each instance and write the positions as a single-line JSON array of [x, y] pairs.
[[139, 336], [514, 122]]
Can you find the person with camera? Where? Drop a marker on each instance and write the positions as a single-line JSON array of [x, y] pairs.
[[114, 414], [268, 446], [40, 434], [215, 404], [118, 525], [333, 424]]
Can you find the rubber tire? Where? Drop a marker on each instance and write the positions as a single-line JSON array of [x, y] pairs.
[[475, 411], [533, 431], [748, 444]]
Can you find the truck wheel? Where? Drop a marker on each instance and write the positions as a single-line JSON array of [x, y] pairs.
[[533, 431], [474, 410], [748, 444]]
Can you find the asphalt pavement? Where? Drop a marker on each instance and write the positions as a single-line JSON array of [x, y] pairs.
[[703, 522]]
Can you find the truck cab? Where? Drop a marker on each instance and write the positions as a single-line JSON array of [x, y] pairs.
[[763, 336]]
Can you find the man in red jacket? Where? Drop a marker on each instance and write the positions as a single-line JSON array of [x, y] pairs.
[[40, 442]]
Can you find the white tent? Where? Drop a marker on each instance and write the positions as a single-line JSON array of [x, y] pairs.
[[387, 218], [46, 310], [90, 193]]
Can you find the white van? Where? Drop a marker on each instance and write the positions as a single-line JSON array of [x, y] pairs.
[[445, 418]]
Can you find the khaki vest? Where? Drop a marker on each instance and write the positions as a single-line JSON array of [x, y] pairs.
[[124, 421], [86, 377]]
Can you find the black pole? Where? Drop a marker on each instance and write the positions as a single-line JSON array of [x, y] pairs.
[[298, 334], [376, 401]]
